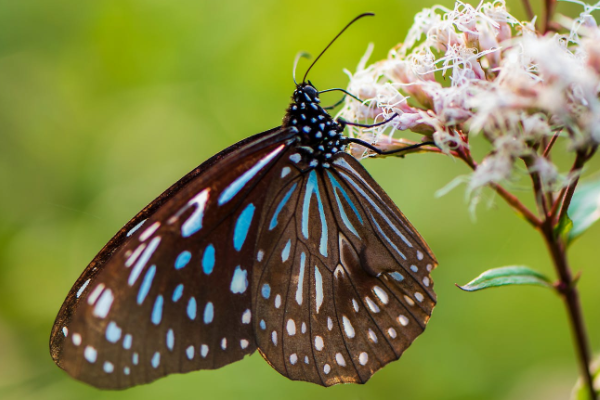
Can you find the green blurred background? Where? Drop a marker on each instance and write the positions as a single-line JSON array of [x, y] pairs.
[[104, 104]]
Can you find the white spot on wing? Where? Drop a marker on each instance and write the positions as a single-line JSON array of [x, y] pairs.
[[381, 294], [374, 307], [392, 333], [278, 301], [299, 290], [403, 320], [95, 294], [291, 327], [339, 359], [348, 328], [319, 344], [90, 354], [246, 317], [149, 231], [363, 358], [136, 253], [372, 336], [239, 282], [319, 288], [82, 288], [274, 337], [76, 339], [104, 303]]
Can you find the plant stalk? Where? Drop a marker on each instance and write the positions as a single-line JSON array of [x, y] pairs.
[[568, 292]]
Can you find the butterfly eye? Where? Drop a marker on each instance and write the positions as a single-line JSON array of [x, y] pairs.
[[311, 92]]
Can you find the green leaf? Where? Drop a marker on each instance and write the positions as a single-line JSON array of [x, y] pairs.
[[512, 275], [564, 227], [580, 391], [584, 209]]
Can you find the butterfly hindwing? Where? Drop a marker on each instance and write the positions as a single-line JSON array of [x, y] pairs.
[[345, 285], [175, 295]]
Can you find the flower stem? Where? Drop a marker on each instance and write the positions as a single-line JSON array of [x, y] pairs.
[[568, 292]]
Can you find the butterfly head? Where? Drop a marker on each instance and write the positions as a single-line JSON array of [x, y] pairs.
[[318, 134]]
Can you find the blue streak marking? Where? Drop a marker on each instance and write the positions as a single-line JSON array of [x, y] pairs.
[[208, 260], [337, 188], [127, 341], [135, 228], [194, 222], [156, 360], [313, 186], [285, 254], [183, 259], [146, 284], [378, 209], [157, 310], [237, 185], [170, 339], [280, 206], [266, 291], [242, 226], [397, 276], [141, 263], [191, 308], [388, 239], [299, 290], [177, 292], [209, 313]]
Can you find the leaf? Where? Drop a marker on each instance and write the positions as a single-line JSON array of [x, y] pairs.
[[512, 275], [580, 391], [584, 209], [564, 227]]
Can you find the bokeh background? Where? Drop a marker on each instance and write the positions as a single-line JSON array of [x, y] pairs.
[[104, 104]]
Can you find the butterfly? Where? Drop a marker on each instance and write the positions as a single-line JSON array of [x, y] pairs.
[[282, 243]]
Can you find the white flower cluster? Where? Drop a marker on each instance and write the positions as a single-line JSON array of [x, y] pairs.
[[479, 70]]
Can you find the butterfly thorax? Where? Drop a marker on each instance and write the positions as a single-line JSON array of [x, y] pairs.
[[319, 136]]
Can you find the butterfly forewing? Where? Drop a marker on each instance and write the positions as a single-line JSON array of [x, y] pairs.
[[175, 296]]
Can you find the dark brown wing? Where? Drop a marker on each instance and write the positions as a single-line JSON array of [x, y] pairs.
[[171, 291], [345, 285]]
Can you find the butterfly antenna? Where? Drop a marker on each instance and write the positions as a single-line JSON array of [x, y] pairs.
[[298, 57], [334, 39]]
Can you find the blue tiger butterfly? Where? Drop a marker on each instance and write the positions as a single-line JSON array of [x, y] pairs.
[[282, 243]]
